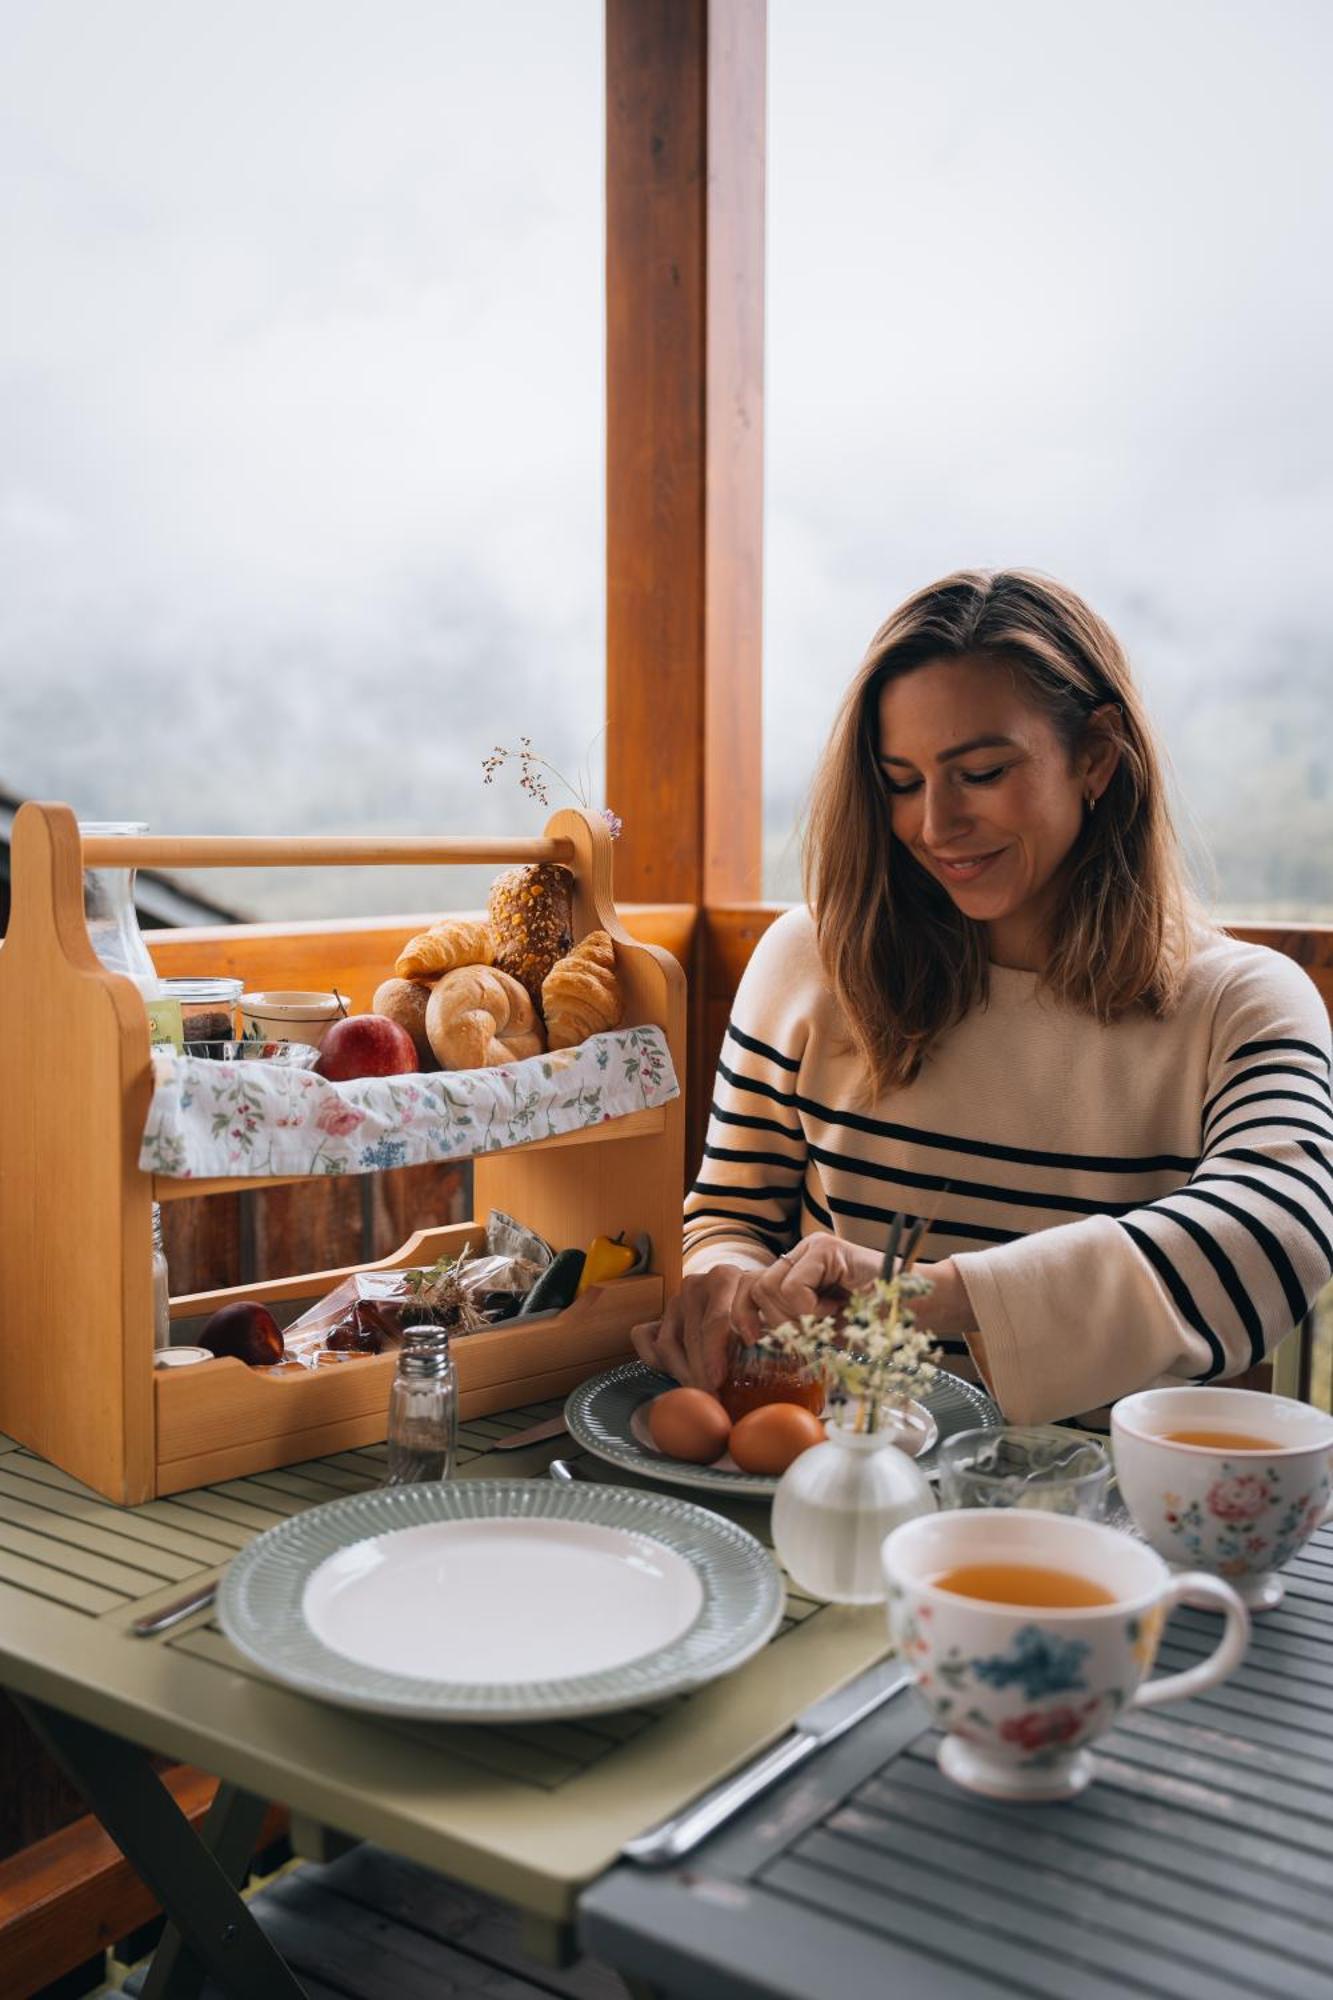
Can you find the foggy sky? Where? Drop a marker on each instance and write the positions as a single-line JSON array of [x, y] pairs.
[[301, 385]]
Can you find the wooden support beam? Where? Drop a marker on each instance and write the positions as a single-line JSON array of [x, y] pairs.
[[685, 93], [73, 1894]]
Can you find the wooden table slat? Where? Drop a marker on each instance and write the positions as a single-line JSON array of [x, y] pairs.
[[936, 1933], [136, 1525], [56, 1586], [1079, 1923], [1115, 1817], [160, 1565]]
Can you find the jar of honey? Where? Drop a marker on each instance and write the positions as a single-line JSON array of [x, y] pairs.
[[755, 1377]]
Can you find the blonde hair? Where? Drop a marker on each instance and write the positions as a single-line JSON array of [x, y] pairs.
[[903, 960]]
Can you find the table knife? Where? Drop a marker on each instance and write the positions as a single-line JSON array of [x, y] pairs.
[[172, 1614], [818, 1726], [550, 1427]]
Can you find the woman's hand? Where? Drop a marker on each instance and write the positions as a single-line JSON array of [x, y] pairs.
[[692, 1338], [694, 1335], [815, 1276]]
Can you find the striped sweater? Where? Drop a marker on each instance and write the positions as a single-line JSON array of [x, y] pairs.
[[1126, 1205]]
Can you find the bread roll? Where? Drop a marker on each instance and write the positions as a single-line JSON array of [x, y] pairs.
[[532, 921], [477, 1018], [580, 994], [453, 941], [404, 1001]]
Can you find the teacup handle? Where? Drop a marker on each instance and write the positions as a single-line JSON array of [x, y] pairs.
[[1230, 1647]]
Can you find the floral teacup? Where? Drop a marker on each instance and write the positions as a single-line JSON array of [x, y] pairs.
[[1239, 1513], [1021, 1690]]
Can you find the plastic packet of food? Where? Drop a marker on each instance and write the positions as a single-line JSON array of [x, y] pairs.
[[368, 1312]]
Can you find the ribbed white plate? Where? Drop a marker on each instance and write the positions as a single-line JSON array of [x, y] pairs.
[[489, 1600]]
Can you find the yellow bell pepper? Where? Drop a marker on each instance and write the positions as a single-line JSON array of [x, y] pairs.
[[608, 1257]]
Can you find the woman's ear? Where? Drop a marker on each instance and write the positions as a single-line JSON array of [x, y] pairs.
[[1100, 752]]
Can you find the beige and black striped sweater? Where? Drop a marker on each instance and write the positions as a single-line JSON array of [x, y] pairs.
[[1147, 1202]]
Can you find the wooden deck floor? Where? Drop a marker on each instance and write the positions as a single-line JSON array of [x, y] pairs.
[[372, 1927]]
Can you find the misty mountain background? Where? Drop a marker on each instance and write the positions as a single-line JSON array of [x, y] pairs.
[[301, 400]]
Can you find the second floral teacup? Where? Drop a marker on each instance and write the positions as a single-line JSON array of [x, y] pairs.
[[1227, 1480], [1028, 1634]]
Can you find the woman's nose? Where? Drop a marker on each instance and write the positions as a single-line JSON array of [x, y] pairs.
[[943, 813]]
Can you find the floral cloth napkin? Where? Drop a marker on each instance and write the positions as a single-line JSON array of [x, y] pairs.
[[210, 1119]]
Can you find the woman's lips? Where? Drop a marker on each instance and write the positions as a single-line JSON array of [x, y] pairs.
[[965, 870]]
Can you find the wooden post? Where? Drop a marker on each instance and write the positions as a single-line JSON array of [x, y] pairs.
[[685, 93]]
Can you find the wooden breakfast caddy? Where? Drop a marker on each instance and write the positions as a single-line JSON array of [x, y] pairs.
[[77, 1380]]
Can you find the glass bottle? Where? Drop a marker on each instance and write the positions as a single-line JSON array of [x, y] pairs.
[[161, 1286], [108, 906], [423, 1409]]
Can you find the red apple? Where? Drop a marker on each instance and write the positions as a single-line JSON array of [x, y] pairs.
[[248, 1332], [366, 1045]]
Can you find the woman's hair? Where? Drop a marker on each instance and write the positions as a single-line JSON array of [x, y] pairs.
[[903, 960]]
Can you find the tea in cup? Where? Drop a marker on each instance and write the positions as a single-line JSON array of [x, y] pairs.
[[1227, 1480], [1029, 1633]]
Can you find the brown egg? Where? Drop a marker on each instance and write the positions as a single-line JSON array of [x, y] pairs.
[[770, 1438], [689, 1424]]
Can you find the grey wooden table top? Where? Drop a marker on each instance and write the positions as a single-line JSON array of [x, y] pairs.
[[1199, 1866]]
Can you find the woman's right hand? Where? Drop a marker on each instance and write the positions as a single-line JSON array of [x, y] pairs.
[[693, 1338]]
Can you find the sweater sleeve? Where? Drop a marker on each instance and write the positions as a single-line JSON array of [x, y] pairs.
[[1203, 1282], [745, 1205]]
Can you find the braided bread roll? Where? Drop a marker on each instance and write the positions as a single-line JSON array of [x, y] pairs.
[[453, 941], [581, 995], [477, 1018], [532, 919]]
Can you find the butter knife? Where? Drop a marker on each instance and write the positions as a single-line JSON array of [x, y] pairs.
[[172, 1614], [811, 1731], [550, 1427]]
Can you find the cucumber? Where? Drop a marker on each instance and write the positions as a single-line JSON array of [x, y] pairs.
[[555, 1288]]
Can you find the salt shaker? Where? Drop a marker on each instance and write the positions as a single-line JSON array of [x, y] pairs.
[[423, 1409], [161, 1286]]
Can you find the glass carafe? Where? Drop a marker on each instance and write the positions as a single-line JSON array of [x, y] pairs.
[[108, 906]]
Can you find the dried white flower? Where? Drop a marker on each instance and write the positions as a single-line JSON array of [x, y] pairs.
[[872, 1353]]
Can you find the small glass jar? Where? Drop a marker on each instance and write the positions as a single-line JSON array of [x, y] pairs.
[[161, 1286], [208, 1011], [423, 1409], [756, 1376]]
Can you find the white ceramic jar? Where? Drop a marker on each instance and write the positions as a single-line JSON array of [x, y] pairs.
[[834, 1506]]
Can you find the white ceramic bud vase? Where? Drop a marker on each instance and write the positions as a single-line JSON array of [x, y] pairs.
[[836, 1503]]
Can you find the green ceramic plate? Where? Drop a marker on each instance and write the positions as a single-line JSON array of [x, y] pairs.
[[500, 1600], [601, 1417]]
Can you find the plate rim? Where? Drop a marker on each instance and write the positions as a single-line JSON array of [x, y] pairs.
[[290, 1653], [704, 1478]]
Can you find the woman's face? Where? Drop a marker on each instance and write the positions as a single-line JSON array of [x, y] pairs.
[[983, 794]]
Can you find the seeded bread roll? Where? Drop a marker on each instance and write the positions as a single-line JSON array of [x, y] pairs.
[[404, 1001], [453, 941], [580, 994], [478, 1017], [532, 921]]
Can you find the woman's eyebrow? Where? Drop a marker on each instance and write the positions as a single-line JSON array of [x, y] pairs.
[[961, 749]]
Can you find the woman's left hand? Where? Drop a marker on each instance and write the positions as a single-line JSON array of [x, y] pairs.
[[819, 1272]]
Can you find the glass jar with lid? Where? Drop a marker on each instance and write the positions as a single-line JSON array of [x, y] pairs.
[[208, 1012]]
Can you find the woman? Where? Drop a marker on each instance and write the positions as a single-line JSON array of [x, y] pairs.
[[1000, 1009]]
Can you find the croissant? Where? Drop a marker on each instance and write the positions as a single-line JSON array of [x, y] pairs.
[[532, 921], [581, 995], [453, 941], [477, 1017]]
